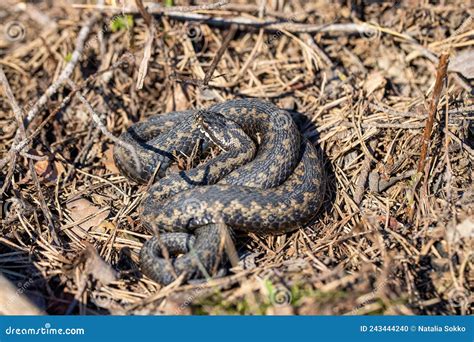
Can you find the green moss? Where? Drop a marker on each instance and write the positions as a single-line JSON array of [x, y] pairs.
[[216, 305]]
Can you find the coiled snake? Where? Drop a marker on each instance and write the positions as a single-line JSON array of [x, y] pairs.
[[267, 179]]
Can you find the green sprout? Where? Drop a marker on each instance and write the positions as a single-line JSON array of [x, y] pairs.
[[121, 22]]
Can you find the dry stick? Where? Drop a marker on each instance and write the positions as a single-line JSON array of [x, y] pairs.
[[12, 155], [104, 129], [22, 134], [432, 57], [21, 129], [184, 14], [364, 174], [321, 54], [158, 8], [67, 71], [220, 52], [53, 88], [142, 71], [252, 8], [148, 18], [273, 26], [15, 107], [377, 184], [440, 77], [215, 61]]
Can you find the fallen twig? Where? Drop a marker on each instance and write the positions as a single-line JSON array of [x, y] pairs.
[[67, 71], [440, 77], [22, 134], [208, 76], [377, 184], [104, 129], [52, 89], [16, 148], [142, 71], [364, 174], [185, 13], [158, 8], [220, 52]]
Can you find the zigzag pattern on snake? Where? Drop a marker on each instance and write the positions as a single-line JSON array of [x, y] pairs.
[[267, 179]]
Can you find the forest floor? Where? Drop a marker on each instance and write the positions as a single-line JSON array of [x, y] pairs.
[[395, 235]]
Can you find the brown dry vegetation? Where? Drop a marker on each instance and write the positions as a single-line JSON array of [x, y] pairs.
[[388, 241]]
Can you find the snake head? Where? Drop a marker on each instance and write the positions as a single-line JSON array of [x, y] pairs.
[[217, 128]]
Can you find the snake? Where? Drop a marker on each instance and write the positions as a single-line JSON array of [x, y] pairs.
[[267, 179]]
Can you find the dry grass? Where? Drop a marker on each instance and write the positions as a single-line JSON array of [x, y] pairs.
[[389, 241]]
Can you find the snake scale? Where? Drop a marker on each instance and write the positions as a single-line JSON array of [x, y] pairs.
[[267, 179]]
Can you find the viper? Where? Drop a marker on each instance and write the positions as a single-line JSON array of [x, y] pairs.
[[267, 179]]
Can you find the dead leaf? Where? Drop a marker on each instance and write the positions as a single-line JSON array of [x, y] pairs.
[[59, 167], [374, 81], [463, 63], [109, 161], [97, 267], [46, 171], [82, 208]]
